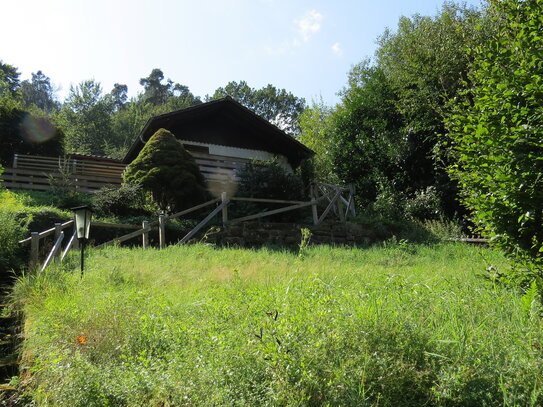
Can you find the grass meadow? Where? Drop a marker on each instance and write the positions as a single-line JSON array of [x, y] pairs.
[[394, 325]]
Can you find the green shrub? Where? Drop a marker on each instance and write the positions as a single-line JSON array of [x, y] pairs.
[[165, 169], [126, 201], [389, 203], [424, 205], [270, 180], [12, 229], [496, 130]]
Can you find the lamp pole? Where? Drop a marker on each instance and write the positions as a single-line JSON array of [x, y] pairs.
[[82, 243], [82, 218]]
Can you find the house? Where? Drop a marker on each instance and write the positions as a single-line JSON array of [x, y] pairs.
[[222, 136]]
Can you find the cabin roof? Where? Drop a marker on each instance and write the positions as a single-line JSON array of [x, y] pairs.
[[223, 122]]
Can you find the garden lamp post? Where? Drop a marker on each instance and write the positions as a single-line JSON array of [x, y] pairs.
[[82, 218]]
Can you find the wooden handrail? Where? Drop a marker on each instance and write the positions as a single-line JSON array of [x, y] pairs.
[[186, 211], [124, 238], [203, 222], [265, 200], [64, 225], [69, 245], [275, 211], [53, 251], [48, 232]]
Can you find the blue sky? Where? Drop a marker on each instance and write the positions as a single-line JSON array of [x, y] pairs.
[[304, 46]]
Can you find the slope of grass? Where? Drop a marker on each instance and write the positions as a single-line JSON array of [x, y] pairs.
[[398, 325]]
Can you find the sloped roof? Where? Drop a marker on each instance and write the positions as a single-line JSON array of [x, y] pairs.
[[223, 122]]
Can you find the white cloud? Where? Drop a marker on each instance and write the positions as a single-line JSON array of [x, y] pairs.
[[336, 49], [309, 24]]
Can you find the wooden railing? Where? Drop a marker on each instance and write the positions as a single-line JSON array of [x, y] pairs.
[[59, 253], [331, 199]]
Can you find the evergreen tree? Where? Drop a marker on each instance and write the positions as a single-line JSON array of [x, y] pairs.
[[164, 168], [39, 92]]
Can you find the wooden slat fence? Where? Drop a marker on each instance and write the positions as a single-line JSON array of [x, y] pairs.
[[39, 173]]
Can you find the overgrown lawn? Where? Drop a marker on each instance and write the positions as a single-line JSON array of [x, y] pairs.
[[396, 325]]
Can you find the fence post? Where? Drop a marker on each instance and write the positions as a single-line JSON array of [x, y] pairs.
[[145, 234], [351, 196], [313, 197], [161, 231], [340, 209], [224, 209], [34, 248], [58, 231]]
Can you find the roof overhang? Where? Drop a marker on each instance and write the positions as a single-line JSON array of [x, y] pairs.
[[268, 136]]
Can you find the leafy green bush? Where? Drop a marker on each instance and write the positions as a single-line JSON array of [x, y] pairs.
[[496, 132], [424, 205], [164, 168], [389, 203], [128, 200], [270, 180], [12, 229]]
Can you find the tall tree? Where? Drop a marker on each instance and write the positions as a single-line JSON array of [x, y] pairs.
[[156, 92], [316, 133], [9, 79], [426, 62], [119, 96], [86, 119], [277, 106], [497, 131], [39, 92], [130, 117], [368, 148]]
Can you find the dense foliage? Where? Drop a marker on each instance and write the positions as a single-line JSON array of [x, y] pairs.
[[86, 119], [164, 168], [13, 226], [497, 129], [269, 179], [383, 136], [128, 200]]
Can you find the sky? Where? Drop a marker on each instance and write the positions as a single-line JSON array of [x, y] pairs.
[[304, 46]]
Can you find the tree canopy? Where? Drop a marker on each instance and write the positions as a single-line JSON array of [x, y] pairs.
[[39, 92], [9, 79], [86, 119], [278, 106]]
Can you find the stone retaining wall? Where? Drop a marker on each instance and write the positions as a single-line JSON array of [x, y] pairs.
[[251, 234]]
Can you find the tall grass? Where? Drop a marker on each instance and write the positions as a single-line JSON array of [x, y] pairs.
[[399, 325]]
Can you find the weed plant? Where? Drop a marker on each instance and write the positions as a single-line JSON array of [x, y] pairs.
[[396, 325]]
